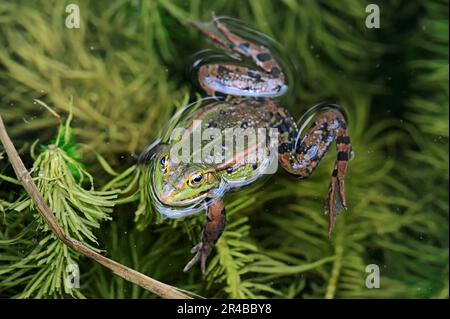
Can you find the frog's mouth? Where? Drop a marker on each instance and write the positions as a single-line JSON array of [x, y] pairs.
[[169, 199], [170, 208]]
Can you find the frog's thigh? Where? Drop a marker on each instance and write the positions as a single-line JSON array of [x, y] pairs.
[[238, 80]]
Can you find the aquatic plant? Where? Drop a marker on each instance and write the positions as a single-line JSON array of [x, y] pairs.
[[124, 72]]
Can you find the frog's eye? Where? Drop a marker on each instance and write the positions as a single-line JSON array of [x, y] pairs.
[[195, 180], [164, 163]]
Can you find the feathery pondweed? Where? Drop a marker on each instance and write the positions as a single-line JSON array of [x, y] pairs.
[[69, 191]]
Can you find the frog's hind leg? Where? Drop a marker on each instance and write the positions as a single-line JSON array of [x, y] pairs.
[[265, 80], [262, 56], [301, 159], [230, 79], [212, 230], [259, 54]]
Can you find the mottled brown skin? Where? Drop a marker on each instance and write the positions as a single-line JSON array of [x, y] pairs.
[[299, 158], [269, 78], [212, 230], [328, 127]]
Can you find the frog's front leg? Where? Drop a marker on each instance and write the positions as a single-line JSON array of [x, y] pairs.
[[301, 159], [212, 230]]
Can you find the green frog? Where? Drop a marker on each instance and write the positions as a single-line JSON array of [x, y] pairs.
[[241, 99]]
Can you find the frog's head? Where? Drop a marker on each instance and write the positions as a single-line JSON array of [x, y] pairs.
[[182, 184]]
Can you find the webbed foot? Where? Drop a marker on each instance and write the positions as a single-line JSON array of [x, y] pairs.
[[201, 252], [336, 202]]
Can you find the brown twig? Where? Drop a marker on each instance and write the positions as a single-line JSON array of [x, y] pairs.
[[161, 289]]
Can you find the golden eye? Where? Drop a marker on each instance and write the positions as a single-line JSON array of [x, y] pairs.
[[195, 180], [164, 164]]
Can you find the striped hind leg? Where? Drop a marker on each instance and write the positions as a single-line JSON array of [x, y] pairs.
[[336, 201], [260, 55], [301, 159]]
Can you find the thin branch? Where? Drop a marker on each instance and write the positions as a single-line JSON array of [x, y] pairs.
[[161, 289]]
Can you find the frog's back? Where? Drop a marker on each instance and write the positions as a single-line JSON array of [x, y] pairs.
[[245, 157]]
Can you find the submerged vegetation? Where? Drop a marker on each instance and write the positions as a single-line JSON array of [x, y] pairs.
[[122, 75]]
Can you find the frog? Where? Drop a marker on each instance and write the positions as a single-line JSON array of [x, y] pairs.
[[242, 97]]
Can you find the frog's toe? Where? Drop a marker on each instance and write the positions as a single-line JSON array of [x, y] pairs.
[[196, 248], [201, 254], [192, 262], [203, 262], [336, 202]]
